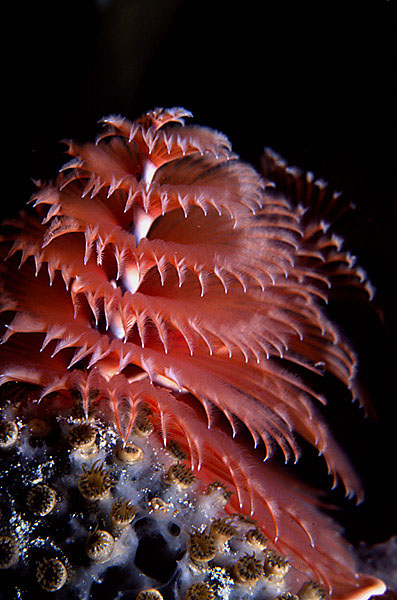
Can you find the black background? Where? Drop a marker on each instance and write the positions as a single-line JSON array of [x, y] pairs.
[[314, 81]]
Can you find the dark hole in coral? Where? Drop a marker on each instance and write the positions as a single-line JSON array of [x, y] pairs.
[[154, 556], [174, 529]]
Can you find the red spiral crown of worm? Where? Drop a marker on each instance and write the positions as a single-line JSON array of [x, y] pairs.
[[160, 271]]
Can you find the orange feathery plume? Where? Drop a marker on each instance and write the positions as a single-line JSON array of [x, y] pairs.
[[159, 270]]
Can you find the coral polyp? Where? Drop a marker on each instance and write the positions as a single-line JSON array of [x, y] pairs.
[[122, 512], [275, 566], [99, 546], [41, 500], [9, 552], [257, 538], [180, 474], [199, 591], [51, 574], [248, 569], [82, 437], [8, 434], [202, 549], [150, 595], [95, 483], [312, 591], [222, 531], [164, 313], [130, 453]]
